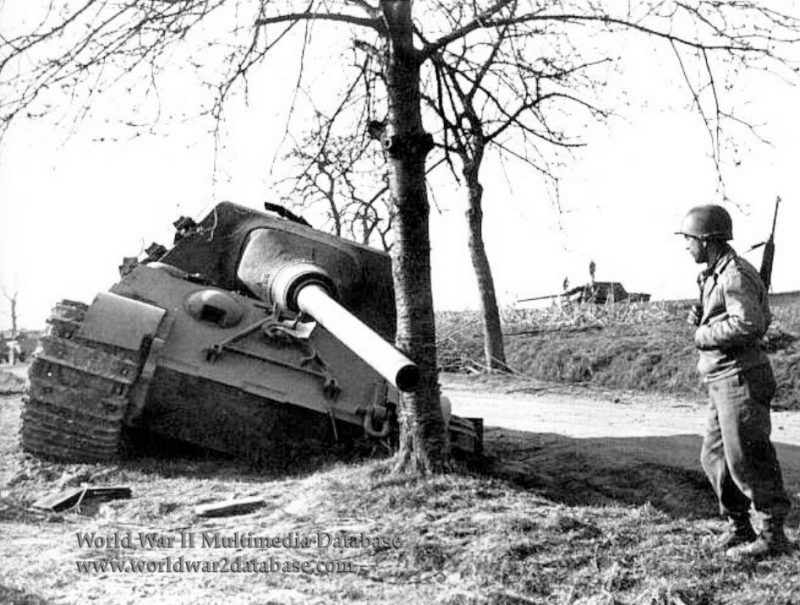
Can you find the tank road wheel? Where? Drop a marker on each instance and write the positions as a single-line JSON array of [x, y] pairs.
[[78, 393]]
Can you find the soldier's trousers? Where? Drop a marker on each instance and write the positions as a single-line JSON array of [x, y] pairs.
[[737, 455]]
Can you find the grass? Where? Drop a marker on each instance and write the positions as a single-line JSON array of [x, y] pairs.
[[532, 524], [638, 346]]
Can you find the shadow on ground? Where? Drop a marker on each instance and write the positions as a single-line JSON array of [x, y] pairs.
[[145, 451], [662, 470]]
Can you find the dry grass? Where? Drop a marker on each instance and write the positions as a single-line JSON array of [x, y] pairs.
[[638, 346], [536, 523]]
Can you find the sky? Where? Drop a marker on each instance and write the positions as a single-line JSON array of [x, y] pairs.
[[74, 201]]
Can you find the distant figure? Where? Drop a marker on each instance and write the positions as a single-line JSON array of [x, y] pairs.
[[592, 269], [565, 285], [737, 455]]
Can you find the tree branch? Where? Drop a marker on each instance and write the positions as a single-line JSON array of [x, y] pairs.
[[578, 18], [375, 24]]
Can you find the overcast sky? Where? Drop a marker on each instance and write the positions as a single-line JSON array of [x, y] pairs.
[[73, 203]]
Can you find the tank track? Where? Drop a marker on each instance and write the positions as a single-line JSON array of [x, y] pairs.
[[78, 394]]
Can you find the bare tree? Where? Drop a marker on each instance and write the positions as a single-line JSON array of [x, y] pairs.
[[87, 46], [347, 179], [493, 92], [12, 301]]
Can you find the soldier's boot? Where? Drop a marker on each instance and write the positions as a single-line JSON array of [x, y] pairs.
[[740, 531], [771, 542]]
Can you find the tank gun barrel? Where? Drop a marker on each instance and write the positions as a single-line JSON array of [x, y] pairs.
[[369, 346]]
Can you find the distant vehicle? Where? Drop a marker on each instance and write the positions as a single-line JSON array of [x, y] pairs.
[[599, 292]]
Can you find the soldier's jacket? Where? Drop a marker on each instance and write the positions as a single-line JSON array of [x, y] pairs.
[[735, 317]]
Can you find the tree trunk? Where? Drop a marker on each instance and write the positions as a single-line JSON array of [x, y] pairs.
[[13, 316], [423, 445], [12, 346], [493, 347]]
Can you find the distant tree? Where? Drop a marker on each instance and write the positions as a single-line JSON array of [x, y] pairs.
[[13, 346], [12, 301], [347, 178], [491, 93]]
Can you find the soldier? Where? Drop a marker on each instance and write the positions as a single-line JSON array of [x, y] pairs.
[[737, 455]]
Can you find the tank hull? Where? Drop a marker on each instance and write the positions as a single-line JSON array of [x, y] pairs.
[[227, 419]]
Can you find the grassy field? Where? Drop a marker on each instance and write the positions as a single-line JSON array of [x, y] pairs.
[[639, 346]]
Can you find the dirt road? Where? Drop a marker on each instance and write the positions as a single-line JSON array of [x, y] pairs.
[[613, 426]]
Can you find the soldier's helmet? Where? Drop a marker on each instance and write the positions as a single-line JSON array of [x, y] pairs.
[[707, 222]]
